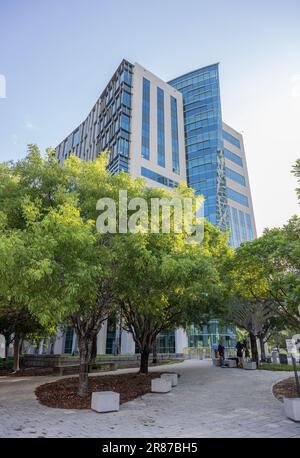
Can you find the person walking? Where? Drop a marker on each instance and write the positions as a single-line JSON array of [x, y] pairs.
[[221, 351], [239, 353], [247, 352]]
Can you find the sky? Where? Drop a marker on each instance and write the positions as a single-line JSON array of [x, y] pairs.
[[56, 56]]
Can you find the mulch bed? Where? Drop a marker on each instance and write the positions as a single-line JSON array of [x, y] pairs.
[[63, 393], [28, 372], [286, 388]]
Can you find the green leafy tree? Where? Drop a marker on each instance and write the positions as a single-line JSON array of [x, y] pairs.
[[296, 172], [164, 283]]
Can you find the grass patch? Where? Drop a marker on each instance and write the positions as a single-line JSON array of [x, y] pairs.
[[277, 367]]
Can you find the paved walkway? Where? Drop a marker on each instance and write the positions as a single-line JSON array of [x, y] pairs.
[[208, 402]]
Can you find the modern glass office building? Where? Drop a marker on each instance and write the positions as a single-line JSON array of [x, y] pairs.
[[168, 132], [215, 158], [203, 139]]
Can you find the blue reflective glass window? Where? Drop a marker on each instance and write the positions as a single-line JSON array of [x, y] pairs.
[[75, 138], [160, 128], [125, 122], [249, 226], [233, 157], [229, 223], [231, 139], [238, 197], [65, 147], [235, 176], [146, 119], [236, 227], [158, 178], [174, 131], [243, 226]]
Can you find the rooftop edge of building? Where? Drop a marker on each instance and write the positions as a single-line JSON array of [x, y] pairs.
[[216, 64]]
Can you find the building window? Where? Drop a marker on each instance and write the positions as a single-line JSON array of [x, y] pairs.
[[158, 178], [238, 197], [249, 226], [231, 139], [237, 177], [69, 340], [146, 120], [229, 223], [123, 147], [243, 226], [236, 227], [174, 130], [160, 128], [75, 138], [233, 157], [65, 148], [125, 122]]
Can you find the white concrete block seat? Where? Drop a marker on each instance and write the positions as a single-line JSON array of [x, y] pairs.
[[172, 376], [161, 385], [105, 401], [249, 365], [292, 408]]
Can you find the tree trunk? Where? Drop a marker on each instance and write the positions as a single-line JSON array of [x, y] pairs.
[[254, 350], [144, 361], [262, 349], [6, 348], [154, 351], [85, 350], [94, 350], [16, 366]]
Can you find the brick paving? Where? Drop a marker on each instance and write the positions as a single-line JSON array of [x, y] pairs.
[[208, 402]]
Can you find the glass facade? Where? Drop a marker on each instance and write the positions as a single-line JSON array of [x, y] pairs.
[[174, 132], [204, 336], [146, 120], [158, 178], [236, 226], [231, 139], [107, 127], [69, 340], [232, 175], [165, 342], [238, 197], [233, 157], [160, 128], [203, 140], [249, 226], [243, 226]]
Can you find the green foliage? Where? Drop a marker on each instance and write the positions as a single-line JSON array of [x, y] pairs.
[[277, 367], [296, 172]]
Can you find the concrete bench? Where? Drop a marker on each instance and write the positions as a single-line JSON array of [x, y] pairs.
[[169, 376], [231, 363], [249, 365], [161, 385], [105, 401]]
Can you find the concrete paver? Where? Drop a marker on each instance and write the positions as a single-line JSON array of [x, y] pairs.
[[207, 402]]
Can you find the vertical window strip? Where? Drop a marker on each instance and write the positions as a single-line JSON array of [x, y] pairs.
[[236, 226], [249, 226], [243, 226], [146, 120], [174, 130], [160, 128]]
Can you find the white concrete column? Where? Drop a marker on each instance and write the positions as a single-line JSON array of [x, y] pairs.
[[127, 343], [101, 339], [58, 345], [41, 347], [181, 340], [2, 346]]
